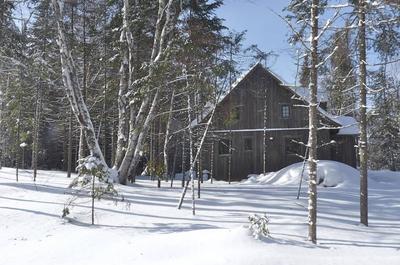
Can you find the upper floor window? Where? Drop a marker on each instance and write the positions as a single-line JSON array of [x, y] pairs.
[[285, 111]]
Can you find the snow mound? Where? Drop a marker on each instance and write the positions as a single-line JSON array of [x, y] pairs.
[[330, 174]]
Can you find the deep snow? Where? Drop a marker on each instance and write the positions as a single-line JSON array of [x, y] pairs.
[[329, 174], [148, 229]]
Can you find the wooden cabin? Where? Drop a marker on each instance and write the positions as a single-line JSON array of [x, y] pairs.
[[261, 125]]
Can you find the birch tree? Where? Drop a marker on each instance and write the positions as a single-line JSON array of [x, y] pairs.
[[72, 86], [139, 123]]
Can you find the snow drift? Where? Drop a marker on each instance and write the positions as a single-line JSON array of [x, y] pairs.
[[330, 174]]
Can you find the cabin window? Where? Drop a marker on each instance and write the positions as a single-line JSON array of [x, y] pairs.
[[293, 146], [248, 144], [285, 111], [223, 147]]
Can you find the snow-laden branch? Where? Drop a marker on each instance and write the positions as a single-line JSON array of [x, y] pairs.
[[327, 57]]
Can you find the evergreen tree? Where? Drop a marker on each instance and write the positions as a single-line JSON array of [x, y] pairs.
[[340, 80]]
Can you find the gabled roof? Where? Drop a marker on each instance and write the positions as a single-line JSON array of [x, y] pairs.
[[346, 125]]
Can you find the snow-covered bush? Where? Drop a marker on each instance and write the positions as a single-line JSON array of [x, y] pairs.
[[259, 225]]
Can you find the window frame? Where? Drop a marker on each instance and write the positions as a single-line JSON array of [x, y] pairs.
[[283, 111]]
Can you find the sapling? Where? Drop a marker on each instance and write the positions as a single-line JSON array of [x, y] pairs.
[[93, 179], [259, 225]]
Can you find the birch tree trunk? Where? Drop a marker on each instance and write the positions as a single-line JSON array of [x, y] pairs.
[[72, 86], [183, 159], [17, 147], [143, 133], [82, 145], [69, 152], [122, 112], [362, 143], [192, 162], [125, 79], [312, 139], [167, 133], [139, 124]]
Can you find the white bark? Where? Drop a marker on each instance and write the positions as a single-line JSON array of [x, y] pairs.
[[122, 113], [167, 134], [72, 86], [139, 124], [199, 148]]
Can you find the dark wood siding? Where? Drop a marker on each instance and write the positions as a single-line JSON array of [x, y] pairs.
[[243, 109]]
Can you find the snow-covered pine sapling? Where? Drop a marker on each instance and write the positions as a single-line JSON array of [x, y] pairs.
[[93, 179], [259, 225]]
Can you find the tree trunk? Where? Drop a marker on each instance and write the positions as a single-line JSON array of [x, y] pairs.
[[312, 139], [173, 167], [265, 133], [122, 112], [230, 158], [72, 87], [183, 160], [212, 162], [167, 133], [362, 143], [143, 133], [36, 129], [82, 145], [17, 147], [192, 161], [139, 126], [69, 165], [135, 130]]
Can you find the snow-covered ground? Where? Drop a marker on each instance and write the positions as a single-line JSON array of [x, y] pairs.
[[148, 229]]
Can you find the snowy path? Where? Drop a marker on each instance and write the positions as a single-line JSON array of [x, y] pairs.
[[148, 229]]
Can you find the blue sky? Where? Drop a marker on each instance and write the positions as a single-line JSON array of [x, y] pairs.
[[264, 28]]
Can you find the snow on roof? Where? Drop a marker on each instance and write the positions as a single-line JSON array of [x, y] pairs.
[[348, 125], [207, 109]]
